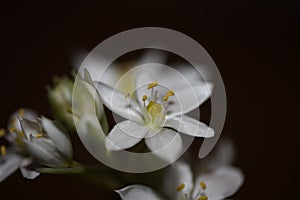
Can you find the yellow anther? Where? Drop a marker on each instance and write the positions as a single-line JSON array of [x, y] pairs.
[[180, 187], [21, 133], [39, 135], [202, 185], [152, 85], [170, 93], [21, 112], [145, 97], [3, 150], [151, 103], [203, 198], [2, 132], [165, 98]]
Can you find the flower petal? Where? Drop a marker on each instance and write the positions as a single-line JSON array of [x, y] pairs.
[[29, 127], [44, 153], [59, 137], [167, 144], [153, 56], [220, 183], [125, 135], [13, 119], [91, 134], [8, 164], [179, 173], [26, 172], [100, 69], [118, 103], [137, 192], [189, 98], [189, 126]]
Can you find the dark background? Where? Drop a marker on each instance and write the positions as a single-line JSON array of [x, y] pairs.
[[255, 45]]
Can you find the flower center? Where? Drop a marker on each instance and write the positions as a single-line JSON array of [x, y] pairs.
[[201, 195], [153, 107]]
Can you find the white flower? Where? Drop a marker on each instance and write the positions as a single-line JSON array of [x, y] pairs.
[[217, 179], [47, 142], [218, 184], [16, 155], [156, 111]]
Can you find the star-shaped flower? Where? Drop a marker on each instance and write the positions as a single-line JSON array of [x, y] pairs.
[[156, 111]]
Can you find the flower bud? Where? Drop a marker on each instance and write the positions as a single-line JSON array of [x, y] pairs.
[[60, 100], [47, 142]]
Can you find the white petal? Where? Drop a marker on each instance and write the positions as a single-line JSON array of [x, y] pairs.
[[153, 56], [167, 144], [44, 154], [91, 134], [163, 74], [59, 137], [97, 65], [8, 164], [192, 73], [137, 192], [125, 135], [14, 121], [220, 183], [87, 77], [189, 98], [29, 127], [26, 172], [86, 99], [118, 103], [178, 173], [189, 126]]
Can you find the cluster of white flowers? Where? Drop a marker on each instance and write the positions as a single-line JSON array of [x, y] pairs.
[[33, 141], [153, 103]]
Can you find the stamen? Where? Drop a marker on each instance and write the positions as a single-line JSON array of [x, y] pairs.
[[151, 103], [2, 132], [202, 185], [165, 98], [21, 133], [180, 187], [168, 94], [204, 197], [155, 96], [145, 98], [39, 135], [21, 112], [3, 150], [152, 85]]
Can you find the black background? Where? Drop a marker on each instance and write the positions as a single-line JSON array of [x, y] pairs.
[[255, 45]]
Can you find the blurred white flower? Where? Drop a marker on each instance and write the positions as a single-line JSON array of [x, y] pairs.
[[60, 100], [217, 184], [217, 180], [16, 156]]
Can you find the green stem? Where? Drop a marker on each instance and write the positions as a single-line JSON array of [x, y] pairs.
[[98, 175]]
